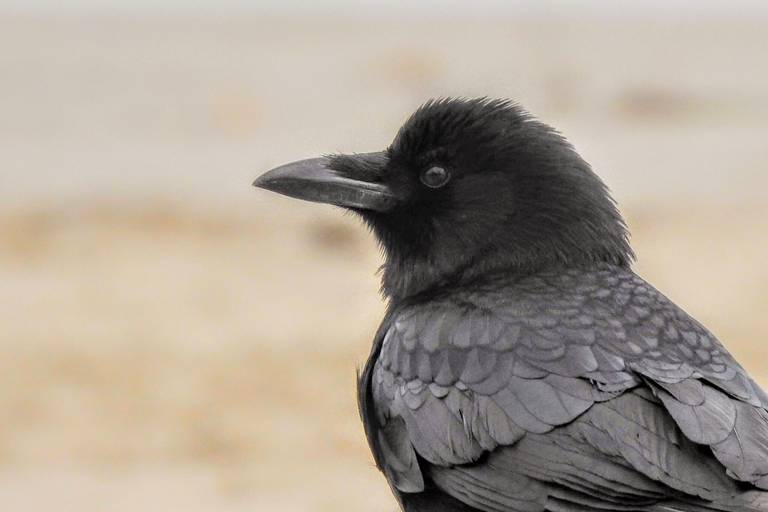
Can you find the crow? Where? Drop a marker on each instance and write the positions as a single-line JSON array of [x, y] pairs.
[[522, 366]]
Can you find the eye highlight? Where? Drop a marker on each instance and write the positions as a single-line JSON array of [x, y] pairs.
[[435, 177]]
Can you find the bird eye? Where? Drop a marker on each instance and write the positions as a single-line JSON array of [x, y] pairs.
[[435, 177]]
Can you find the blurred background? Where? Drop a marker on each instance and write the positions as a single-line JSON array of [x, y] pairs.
[[172, 339]]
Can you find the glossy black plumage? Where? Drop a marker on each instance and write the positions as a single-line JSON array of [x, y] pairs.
[[594, 366], [522, 366]]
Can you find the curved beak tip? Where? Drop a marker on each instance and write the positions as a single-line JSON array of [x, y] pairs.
[[260, 182]]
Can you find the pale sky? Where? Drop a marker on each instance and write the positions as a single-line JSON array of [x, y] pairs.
[[397, 7]]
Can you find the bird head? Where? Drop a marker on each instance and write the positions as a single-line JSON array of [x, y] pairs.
[[468, 188]]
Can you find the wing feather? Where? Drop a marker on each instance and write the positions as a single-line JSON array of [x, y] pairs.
[[594, 367]]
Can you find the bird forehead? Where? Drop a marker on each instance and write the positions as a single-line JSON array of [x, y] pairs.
[[439, 124]]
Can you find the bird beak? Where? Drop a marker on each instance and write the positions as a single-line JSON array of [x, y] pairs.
[[313, 180]]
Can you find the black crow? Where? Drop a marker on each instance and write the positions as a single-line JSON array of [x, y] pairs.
[[521, 365]]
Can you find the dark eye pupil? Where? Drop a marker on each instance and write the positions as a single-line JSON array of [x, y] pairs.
[[435, 177]]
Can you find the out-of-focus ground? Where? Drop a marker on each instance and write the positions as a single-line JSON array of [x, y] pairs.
[[172, 340]]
